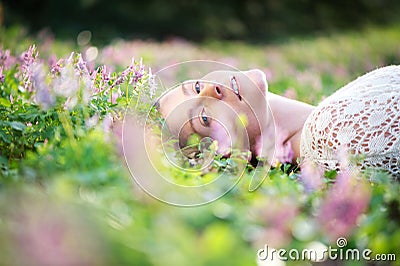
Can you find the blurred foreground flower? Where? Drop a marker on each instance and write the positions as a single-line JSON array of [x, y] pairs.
[[277, 218], [311, 176], [6, 59], [38, 231], [43, 96], [343, 205]]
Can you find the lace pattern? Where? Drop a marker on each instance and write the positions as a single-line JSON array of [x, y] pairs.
[[362, 118]]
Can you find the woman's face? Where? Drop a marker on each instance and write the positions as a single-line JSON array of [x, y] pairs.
[[227, 106]]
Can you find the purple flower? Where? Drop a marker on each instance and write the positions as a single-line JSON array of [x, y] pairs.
[[66, 84], [277, 220], [28, 58], [103, 81], [311, 176], [43, 95], [2, 77], [93, 77], [6, 59], [138, 72], [56, 68], [343, 205], [81, 65], [152, 84], [122, 78], [52, 61], [105, 76]]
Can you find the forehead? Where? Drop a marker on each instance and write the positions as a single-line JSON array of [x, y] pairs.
[[223, 76]]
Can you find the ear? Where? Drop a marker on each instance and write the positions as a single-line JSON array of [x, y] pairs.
[[259, 78]]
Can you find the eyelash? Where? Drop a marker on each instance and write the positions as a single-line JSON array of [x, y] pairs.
[[204, 119], [235, 87]]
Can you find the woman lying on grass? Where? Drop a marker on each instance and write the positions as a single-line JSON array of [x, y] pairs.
[[361, 119]]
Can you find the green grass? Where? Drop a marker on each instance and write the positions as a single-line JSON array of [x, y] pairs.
[[66, 193]]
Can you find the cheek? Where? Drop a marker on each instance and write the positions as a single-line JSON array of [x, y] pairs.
[[224, 138], [253, 123]]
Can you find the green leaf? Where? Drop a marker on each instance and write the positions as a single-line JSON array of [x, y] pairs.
[[17, 125], [5, 102]]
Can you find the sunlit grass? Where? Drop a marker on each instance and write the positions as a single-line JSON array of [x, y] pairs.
[[73, 157]]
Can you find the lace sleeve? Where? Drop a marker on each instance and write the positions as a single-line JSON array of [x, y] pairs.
[[362, 118]]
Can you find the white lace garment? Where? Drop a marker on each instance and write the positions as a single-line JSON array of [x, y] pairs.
[[362, 118]]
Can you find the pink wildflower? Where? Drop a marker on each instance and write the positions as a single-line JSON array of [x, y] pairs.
[[43, 96], [52, 61], [152, 84], [6, 59], [122, 78], [81, 66], [138, 73], [311, 176], [105, 78], [343, 205], [28, 58], [56, 68], [66, 82], [2, 77], [277, 220]]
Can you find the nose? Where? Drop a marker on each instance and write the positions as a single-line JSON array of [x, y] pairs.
[[212, 90]]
